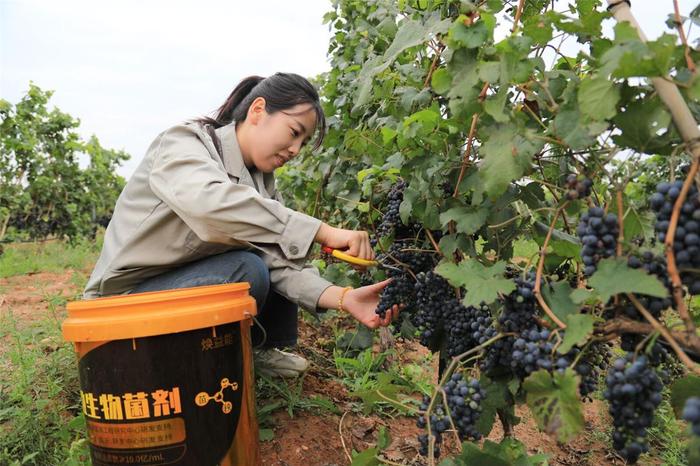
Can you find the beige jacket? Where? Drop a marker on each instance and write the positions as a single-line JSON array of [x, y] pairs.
[[184, 202]]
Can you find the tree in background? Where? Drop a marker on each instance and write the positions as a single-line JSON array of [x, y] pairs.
[[44, 190]]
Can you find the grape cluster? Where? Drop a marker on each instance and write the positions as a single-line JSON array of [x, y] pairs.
[[598, 233], [467, 327], [464, 398], [401, 290], [518, 314], [520, 306], [686, 241], [589, 367], [433, 296], [578, 188], [691, 413], [633, 392], [391, 218], [532, 351]]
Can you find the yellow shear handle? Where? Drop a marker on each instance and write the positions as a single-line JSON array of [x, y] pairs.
[[348, 258]]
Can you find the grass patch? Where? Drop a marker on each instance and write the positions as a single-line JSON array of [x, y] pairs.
[[40, 418], [49, 256]]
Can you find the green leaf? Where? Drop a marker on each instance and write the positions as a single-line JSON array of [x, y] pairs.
[[406, 207], [495, 105], [507, 156], [565, 248], [640, 124], [579, 328], [558, 297], [497, 397], [383, 438], [581, 295], [570, 127], [388, 134], [508, 452], [598, 97], [471, 454], [614, 276], [538, 29], [483, 284], [489, 71], [427, 119], [389, 391], [554, 402], [681, 390], [410, 34], [471, 37], [441, 81], [266, 435], [366, 458], [468, 220]]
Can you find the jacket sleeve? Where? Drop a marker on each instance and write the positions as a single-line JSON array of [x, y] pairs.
[[303, 287], [199, 191]]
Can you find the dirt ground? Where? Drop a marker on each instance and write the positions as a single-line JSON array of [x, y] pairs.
[[310, 439]]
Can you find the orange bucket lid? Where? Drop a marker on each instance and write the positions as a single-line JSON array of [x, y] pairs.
[[157, 312]]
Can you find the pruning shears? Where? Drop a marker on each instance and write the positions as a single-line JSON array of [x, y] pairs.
[[345, 257]]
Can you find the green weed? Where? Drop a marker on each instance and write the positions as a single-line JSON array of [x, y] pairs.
[[40, 420], [49, 256]]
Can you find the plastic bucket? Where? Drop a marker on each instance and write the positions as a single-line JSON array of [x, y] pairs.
[[166, 377]]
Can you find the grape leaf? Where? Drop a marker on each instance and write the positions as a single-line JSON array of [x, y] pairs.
[[469, 36], [614, 276], [640, 123], [507, 155], [579, 328], [471, 454], [508, 452], [467, 219], [483, 284], [441, 81], [558, 297], [496, 398], [598, 97], [495, 105], [366, 458], [410, 34], [554, 402], [681, 390]]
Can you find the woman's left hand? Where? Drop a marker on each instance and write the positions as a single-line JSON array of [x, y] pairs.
[[362, 303]]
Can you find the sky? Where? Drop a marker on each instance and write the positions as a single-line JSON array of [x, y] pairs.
[[131, 69]]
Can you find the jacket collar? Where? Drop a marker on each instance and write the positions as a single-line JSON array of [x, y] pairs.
[[232, 156], [234, 165]]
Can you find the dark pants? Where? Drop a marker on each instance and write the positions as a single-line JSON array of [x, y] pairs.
[[276, 314]]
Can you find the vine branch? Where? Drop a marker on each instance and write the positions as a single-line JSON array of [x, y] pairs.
[[666, 334], [681, 32], [671, 256], [540, 266]]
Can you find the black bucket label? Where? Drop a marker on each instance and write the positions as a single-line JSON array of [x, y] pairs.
[[169, 399]]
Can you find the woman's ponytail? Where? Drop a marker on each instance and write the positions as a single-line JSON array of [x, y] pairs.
[[225, 113], [281, 91]]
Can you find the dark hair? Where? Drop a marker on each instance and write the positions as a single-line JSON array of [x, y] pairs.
[[280, 91]]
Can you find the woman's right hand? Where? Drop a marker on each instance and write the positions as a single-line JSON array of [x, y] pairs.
[[352, 242]]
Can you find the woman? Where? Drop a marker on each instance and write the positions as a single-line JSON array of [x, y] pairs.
[[202, 209]]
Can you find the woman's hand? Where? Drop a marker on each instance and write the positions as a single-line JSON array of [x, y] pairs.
[[362, 303], [355, 243]]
